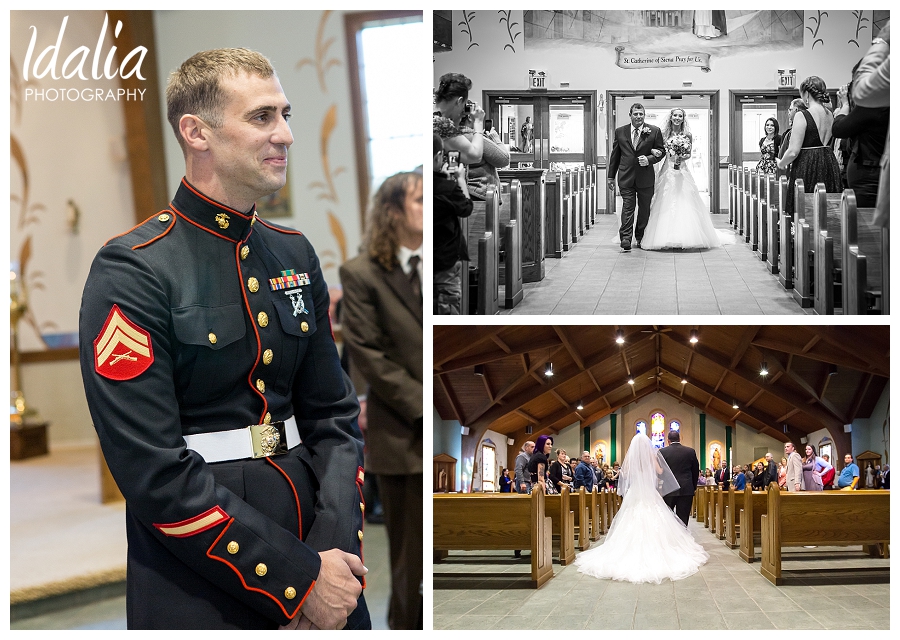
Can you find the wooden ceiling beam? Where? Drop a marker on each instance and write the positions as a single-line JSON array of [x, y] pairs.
[[499, 342], [567, 343], [594, 380], [531, 419], [746, 340], [454, 404], [785, 395], [857, 401], [788, 415], [464, 362], [855, 354], [813, 396], [482, 333]]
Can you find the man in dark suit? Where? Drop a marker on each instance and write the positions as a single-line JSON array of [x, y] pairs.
[[685, 467], [382, 328], [722, 476], [771, 471], [632, 158]]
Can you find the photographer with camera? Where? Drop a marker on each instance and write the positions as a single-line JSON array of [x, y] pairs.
[[451, 202], [451, 101], [495, 156]]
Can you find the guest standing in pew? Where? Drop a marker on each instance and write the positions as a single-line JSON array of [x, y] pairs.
[[769, 146], [794, 472], [849, 477], [796, 105], [451, 202], [584, 473], [559, 471], [771, 471], [505, 482], [872, 88], [537, 465], [782, 474], [867, 130], [522, 478], [452, 102], [759, 478], [812, 477], [886, 478], [740, 480], [825, 468], [808, 153], [723, 477]]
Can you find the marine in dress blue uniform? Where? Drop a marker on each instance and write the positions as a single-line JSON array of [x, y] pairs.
[[216, 390]]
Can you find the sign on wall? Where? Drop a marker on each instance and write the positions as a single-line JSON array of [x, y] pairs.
[[627, 60]]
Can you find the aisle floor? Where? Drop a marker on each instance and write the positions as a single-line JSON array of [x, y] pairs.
[[597, 277]]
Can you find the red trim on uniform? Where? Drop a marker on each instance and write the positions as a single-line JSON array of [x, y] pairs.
[[331, 328], [296, 498], [360, 475], [215, 510], [209, 554], [149, 242], [200, 226], [213, 202], [267, 225], [132, 228], [305, 596], [237, 259]]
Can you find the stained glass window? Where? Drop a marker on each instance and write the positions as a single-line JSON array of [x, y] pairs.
[[640, 427], [675, 425], [657, 427]]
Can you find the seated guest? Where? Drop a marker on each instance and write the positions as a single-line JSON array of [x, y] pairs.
[[849, 477], [867, 130]]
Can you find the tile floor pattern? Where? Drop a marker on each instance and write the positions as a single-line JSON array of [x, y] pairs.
[[726, 593], [597, 277]]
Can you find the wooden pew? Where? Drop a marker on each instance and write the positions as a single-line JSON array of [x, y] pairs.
[[581, 507], [823, 518], [512, 273], [569, 237], [558, 508], [605, 518], [777, 195], [747, 205], [498, 521], [861, 257], [756, 204], [802, 247], [594, 506], [762, 215], [700, 501], [733, 509], [532, 212], [554, 214], [785, 238], [749, 517], [721, 502], [732, 196], [886, 271], [488, 258], [710, 507]]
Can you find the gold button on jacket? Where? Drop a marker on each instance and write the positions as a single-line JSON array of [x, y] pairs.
[[304, 327], [263, 319], [290, 593], [261, 385], [267, 356], [261, 569], [233, 547], [253, 284], [245, 251], [212, 338]]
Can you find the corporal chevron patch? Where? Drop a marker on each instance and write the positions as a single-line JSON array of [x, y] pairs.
[[195, 525], [123, 350]]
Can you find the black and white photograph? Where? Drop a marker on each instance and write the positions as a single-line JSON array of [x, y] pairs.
[[694, 477], [681, 162]]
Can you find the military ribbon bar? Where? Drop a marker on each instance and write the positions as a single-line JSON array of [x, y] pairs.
[[289, 280]]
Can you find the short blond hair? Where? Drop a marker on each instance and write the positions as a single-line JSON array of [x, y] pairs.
[[194, 87]]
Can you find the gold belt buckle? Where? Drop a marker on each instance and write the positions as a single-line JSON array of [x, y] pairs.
[[268, 439]]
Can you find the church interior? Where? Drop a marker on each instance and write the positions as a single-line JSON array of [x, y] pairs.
[[735, 393], [91, 157], [556, 84]]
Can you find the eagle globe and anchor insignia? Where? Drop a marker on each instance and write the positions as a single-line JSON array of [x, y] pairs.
[[268, 439]]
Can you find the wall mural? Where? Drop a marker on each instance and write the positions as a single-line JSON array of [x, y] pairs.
[[466, 24], [326, 189], [505, 19], [725, 32]]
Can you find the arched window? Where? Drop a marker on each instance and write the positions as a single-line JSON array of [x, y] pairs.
[[640, 427], [657, 428], [674, 426]]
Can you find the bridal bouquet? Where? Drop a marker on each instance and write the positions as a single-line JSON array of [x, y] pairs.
[[679, 145]]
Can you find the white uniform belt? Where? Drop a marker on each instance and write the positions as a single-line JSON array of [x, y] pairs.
[[255, 441]]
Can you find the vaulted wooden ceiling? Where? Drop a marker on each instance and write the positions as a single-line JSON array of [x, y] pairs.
[[819, 376]]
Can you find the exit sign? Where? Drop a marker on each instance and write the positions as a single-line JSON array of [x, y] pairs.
[[786, 78], [538, 80]]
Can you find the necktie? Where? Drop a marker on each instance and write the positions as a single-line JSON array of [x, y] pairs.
[[634, 138], [414, 280]]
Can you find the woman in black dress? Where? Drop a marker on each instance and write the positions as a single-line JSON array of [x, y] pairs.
[[809, 155], [537, 465], [769, 145]]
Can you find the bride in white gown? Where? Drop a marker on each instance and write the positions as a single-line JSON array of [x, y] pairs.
[[646, 541], [678, 217]]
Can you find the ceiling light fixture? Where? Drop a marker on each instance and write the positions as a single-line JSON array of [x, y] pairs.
[[695, 336], [764, 368], [580, 405], [620, 336], [548, 370], [684, 381], [630, 380], [734, 404], [479, 370], [832, 370]]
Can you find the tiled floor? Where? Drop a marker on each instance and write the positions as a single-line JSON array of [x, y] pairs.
[[596, 277], [727, 593], [55, 509]]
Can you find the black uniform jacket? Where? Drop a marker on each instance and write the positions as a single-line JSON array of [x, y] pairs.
[[685, 467], [206, 319]]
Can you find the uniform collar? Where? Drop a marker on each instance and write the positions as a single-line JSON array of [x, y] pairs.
[[211, 216]]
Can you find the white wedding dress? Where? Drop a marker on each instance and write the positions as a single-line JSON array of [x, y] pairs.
[[646, 541], [678, 217]]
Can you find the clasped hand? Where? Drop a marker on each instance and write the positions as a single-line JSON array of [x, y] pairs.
[[334, 596]]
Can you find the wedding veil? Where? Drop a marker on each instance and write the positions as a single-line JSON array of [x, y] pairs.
[[645, 469]]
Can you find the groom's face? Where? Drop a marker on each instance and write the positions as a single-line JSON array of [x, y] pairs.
[[637, 118]]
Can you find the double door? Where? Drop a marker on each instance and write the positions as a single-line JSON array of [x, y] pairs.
[[749, 112], [553, 130]]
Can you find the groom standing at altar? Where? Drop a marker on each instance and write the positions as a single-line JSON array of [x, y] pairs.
[[632, 158]]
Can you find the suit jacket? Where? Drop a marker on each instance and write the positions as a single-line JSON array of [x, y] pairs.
[[584, 476], [382, 328], [794, 471], [771, 474], [685, 467], [623, 159], [723, 476]]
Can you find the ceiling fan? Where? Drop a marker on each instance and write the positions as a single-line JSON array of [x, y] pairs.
[[656, 329]]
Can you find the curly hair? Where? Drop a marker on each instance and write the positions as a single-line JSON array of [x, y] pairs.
[[385, 216], [815, 87], [667, 125], [453, 85]]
